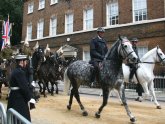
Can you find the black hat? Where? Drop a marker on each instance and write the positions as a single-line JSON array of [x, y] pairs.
[[134, 39], [100, 29]]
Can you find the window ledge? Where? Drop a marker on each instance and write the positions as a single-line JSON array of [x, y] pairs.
[[53, 4], [41, 8], [29, 13]]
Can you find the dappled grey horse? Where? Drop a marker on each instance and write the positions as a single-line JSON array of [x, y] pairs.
[[111, 75]]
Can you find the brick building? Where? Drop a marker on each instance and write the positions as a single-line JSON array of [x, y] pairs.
[[74, 22]]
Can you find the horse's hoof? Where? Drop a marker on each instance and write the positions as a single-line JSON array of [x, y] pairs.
[[159, 107], [85, 113], [68, 107], [97, 115], [133, 119]]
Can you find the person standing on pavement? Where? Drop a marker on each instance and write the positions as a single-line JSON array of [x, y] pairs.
[[20, 93], [98, 49]]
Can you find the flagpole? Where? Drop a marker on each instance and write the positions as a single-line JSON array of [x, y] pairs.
[[2, 34]]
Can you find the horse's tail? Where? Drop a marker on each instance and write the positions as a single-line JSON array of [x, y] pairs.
[[66, 83]]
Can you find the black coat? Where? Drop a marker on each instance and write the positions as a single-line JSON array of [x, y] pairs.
[[135, 49], [98, 49], [18, 99]]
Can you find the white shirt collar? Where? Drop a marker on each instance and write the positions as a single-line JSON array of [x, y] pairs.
[[99, 37]]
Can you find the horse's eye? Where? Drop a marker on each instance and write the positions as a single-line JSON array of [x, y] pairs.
[[160, 54], [125, 46]]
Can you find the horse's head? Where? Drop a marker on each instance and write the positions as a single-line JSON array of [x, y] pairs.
[[55, 59], [125, 49], [160, 56]]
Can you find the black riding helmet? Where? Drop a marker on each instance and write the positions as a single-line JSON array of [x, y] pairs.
[[134, 39]]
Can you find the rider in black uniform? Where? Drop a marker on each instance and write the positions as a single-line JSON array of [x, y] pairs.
[[98, 49]]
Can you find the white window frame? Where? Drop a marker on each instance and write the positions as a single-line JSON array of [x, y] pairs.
[[86, 56], [112, 10], [142, 50], [139, 8], [29, 31], [88, 19], [53, 26], [41, 4], [69, 17], [52, 2], [30, 7], [40, 28]]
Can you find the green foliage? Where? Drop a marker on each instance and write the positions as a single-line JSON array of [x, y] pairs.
[[15, 10]]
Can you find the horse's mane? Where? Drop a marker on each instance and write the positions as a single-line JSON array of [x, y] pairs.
[[150, 52], [113, 51]]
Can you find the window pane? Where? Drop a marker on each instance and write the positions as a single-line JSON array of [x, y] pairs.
[[142, 51], [29, 31], [113, 13], [40, 29], [53, 26], [69, 23], [88, 19], [140, 10]]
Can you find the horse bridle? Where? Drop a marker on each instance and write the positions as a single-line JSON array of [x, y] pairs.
[[124, 51], [161, 59]]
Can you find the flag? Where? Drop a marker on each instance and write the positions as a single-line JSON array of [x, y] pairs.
[[6, 32]]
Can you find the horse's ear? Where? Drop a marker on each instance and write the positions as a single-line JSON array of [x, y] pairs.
[[157, 46], [119, 37]]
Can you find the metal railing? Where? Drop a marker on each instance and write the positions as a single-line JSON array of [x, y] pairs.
[[3, 119], [159, 84], [13, 117]]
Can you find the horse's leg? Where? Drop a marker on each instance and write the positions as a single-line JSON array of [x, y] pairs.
[[105, 100], [56, 83], [52, 88], [44, 88], [76, 95], [145, 88], [151, 87], [39, 84], [71, 99], [121, 91], [47, 86]]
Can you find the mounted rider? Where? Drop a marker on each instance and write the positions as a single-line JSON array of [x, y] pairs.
[[133, 66], [98, 49]]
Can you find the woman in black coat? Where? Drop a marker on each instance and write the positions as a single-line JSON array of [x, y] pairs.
[[20, 93]]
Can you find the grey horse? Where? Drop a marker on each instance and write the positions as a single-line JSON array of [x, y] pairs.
[[111, 75]]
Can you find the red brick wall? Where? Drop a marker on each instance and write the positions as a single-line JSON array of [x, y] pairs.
[[145, 32], [155, 9]]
